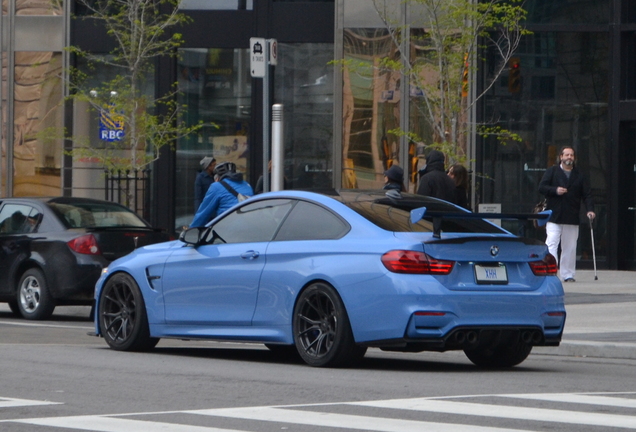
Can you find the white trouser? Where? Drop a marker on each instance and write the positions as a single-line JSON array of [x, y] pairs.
[[567, 235]]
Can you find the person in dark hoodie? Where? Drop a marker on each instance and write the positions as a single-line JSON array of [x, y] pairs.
[[394, 178], [433, 179], [218, 198]]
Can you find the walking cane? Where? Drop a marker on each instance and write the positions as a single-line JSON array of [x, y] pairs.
[[593, 249]]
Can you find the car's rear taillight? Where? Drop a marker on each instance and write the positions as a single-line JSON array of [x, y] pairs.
[[85, 244], [406, 261], [546, 267]]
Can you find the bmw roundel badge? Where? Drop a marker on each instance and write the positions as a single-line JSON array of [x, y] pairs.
[[494, 250]]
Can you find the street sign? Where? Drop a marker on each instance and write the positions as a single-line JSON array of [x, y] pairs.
[[273, 51], [258, 62]]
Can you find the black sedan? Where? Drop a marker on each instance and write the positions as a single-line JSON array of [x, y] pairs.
[[53, 250]]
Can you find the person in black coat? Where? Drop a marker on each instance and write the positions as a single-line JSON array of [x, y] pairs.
[[565, 188], [433, 179], [394, 178]]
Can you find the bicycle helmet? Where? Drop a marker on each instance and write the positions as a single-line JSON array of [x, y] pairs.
[[224, 168]]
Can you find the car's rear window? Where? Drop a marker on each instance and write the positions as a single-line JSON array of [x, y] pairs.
[[96, 215], [394, 214]]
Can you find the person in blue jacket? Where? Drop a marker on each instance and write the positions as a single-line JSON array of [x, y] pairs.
[[218, 199]]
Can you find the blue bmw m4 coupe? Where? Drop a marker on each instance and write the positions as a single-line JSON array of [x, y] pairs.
[[326, 276]]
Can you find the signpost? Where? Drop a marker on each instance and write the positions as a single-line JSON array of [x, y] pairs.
[[263, 53]]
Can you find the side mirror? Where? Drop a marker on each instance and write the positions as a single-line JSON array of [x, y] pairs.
[[191, 236]]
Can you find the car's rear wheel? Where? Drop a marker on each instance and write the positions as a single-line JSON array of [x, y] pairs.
[[34, 301], [122, 315], [322, 332], [505, 354]]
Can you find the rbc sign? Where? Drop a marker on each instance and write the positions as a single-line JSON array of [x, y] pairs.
[[111, 126]]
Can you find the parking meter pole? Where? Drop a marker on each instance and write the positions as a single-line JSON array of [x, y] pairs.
[[266, 120], [277, 147]]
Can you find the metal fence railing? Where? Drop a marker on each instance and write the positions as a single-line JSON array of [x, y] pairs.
[[130, 188]]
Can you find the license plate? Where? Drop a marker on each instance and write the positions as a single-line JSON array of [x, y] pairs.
[[491, 274]]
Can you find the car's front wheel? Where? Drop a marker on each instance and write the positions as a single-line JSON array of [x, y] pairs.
[[122, 315], [322, 332], [505, 354], [34, 301]]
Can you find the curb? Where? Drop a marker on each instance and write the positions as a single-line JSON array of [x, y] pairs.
[[615, 350]]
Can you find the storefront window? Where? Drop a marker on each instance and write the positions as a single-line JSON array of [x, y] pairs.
[[568, 11], [32, 96], [370, 108], [563, 101], [304, 85], [215, 88]]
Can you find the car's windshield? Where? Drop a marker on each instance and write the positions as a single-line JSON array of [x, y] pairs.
[[96, 215], [393, 214]]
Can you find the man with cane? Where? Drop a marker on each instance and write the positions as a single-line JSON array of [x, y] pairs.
[[565, 187]]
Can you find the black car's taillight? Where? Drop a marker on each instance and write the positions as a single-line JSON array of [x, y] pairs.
[[546, 267], [85, 244], [406, 261]]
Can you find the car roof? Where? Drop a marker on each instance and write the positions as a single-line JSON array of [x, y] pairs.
[[347, 196]]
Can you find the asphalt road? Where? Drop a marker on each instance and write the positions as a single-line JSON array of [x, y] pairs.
[[56, 378]]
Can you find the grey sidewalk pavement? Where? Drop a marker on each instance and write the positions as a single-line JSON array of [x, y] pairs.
[[601, 316]]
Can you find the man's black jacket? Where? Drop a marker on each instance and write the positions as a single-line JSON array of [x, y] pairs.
[[566, 208]]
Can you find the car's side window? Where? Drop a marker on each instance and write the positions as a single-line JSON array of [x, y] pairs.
[[255, 222], [14, 219], [309, 221]]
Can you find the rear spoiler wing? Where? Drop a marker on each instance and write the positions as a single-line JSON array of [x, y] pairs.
[[418, 213]]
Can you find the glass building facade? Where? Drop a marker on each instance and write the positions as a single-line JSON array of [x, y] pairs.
[[577, 88]]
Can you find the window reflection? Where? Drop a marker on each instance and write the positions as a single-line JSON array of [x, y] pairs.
[[370, 108], [304, 85], [562, 101], [216, 5], [215, 88]]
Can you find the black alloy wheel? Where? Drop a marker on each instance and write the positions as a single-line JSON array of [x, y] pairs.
[[122, 315], [321, 328], [34, 301]]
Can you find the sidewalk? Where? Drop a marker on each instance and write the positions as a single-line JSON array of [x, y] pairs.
[[601, 316]]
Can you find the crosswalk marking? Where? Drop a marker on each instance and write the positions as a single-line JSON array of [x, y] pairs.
[[344, 421], [577, 399], [508, 412], [12, 402], [113, 424], [317, 415]]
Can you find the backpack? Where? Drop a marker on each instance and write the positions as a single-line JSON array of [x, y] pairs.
[[239, 196]]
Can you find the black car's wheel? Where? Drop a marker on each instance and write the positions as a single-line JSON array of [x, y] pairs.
[[322, 332], [506, 354], [13, 305], [122, 315], [34, 301]]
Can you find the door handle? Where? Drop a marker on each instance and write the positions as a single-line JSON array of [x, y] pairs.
[[250, 255]]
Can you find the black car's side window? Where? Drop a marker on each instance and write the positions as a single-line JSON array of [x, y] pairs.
[[16, 219], [309, 221], [255, 222]]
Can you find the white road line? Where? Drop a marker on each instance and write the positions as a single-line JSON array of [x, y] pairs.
[[508, 412], [110, 424], [588, 399], [343, 421], [12, 402]]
